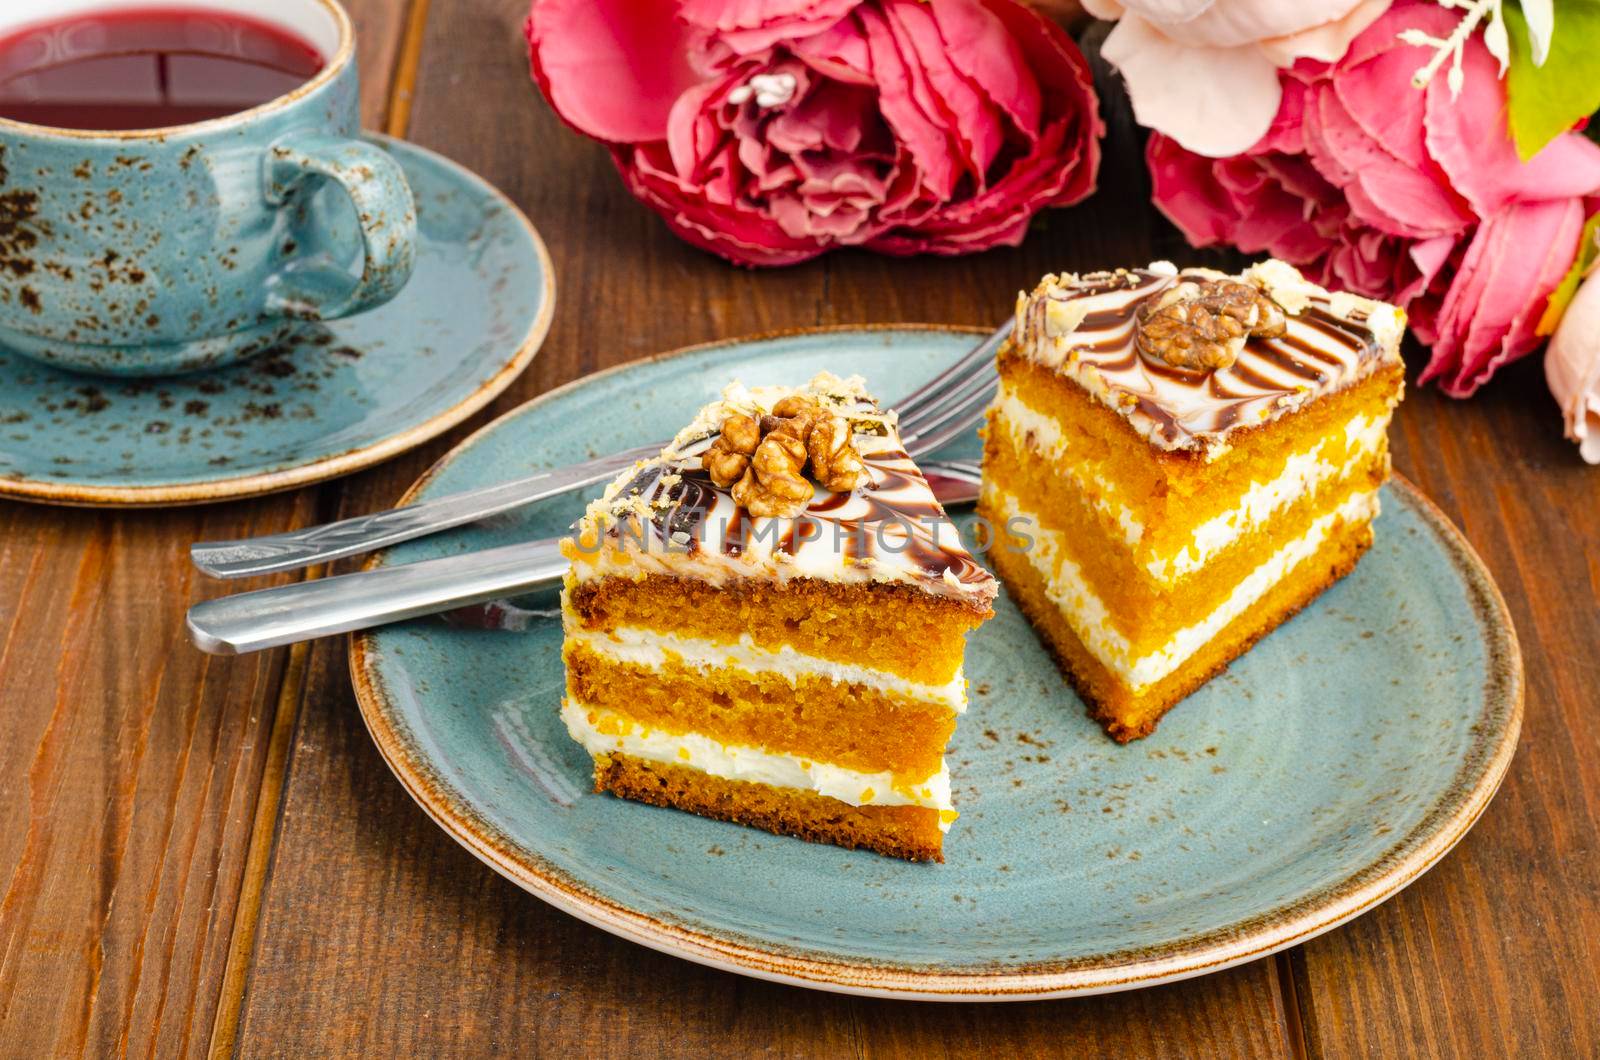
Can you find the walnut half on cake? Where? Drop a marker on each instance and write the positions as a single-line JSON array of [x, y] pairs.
[[1195, 456], [765, 624]]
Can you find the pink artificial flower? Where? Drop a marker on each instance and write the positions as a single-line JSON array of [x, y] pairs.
[[1205, 72], [769, 131], [1370, 185], [1572, 368]]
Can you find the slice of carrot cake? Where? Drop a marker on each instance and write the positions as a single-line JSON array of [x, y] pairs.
[[765, 624], [1190, 458]]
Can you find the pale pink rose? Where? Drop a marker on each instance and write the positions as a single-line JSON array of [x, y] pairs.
[[1372, 186], [1205, 72], [1572, 368], [769, 131]]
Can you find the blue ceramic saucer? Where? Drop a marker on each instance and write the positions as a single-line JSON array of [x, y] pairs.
[[333, 398], [1319, 775]]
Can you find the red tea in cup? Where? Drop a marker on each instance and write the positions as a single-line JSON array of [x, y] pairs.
[[147, 68]]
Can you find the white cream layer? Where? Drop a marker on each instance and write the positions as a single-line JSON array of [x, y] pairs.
[[650, 649], [1304, 473], [602, 732], [1033, 430], [1087, 615]]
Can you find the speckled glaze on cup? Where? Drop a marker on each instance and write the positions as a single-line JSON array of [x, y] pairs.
[[1325, 770], [166, 250], [331, 398]]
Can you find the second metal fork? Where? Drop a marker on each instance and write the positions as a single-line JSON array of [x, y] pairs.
[[932, 416]]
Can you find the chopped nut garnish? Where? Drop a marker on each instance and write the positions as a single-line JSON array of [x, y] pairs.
[[1252, 307], [792, 406], [774, 483], [729, 456], [765, 462], [1204, 325], [834, 460]]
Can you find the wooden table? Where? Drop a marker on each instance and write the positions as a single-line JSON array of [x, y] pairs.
[[201, 853]]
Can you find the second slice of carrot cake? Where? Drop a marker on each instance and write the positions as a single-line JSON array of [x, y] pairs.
[[765, 624], [1192, 457]]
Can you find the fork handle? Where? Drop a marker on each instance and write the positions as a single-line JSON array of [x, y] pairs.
[[246, 622], [245, 557], [268, 618]]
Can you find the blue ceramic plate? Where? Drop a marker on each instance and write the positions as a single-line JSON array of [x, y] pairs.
[[341, 396], [1320, 774]]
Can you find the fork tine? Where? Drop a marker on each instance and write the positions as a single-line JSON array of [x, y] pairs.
[[933, 441], [952, 402], [952, 419], [933, 389], [957, 412], [976, 390]]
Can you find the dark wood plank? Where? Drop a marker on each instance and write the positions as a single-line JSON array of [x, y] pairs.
[[128, 767], [1497, 950], [1235, 1013], [378, 934], [130, 764]]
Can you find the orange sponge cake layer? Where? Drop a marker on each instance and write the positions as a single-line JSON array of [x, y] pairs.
[[1143, 610], [1127, 714], [910, 832], [868, 625], [855, 725], [1172, 489], [744, 656], [1157, 503]]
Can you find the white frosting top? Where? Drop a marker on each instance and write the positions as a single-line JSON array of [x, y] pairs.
[[1083, 328], [665, 515]]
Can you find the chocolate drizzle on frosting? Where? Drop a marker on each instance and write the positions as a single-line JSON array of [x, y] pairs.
[[669, 514], [1083, 327]]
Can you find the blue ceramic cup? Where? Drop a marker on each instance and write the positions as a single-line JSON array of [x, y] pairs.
[[168, 250]]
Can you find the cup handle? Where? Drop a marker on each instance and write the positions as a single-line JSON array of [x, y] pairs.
[[383, 205]]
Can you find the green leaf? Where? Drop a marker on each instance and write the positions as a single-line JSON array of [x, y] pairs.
[[1546, 101], [1556, 304]]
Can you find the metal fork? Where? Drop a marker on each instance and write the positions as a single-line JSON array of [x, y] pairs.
[[931, 416], [268, 618]]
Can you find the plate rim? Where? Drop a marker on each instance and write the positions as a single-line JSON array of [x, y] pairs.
[[1356, 892], [255, 484]]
